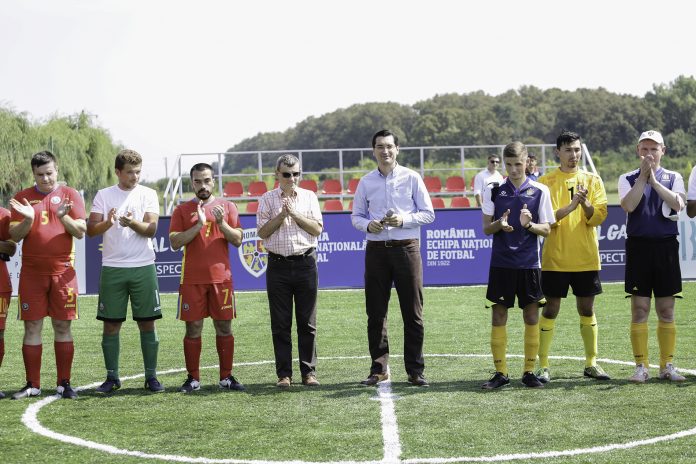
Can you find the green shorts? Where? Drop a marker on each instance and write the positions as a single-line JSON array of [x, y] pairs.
[[116, 284]]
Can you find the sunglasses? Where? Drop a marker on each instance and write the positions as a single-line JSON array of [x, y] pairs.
[[287, 175]]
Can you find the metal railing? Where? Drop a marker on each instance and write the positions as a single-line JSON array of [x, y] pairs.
[[174, 191]]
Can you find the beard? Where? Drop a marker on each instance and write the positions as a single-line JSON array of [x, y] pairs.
[[203, 195]]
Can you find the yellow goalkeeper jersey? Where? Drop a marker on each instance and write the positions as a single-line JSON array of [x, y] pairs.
[[572, 245]]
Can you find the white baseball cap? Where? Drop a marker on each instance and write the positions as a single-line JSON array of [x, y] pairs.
[[652, 135]]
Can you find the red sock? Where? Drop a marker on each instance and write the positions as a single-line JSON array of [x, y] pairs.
[[192, 355], [32, 363], [225, 349], [2, 349], [64, 358]]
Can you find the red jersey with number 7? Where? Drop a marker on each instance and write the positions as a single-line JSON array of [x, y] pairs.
[[206, 258], [48, 248]]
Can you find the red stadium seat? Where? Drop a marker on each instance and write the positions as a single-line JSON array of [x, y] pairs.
[[433, 184], [331, 187], [353, 185], [233, 189], [460, 202], [257, 188], [252, 207], [333, 205], [438, 203], [309, 184], [455, 184]]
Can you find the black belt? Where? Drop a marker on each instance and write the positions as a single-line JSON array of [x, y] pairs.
[[392, 243], [278, 257]]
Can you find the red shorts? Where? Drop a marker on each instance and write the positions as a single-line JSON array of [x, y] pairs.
[[198, 301], [4, 304], [48, 295]]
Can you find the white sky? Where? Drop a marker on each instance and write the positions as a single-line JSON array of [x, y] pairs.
[[170, 77]]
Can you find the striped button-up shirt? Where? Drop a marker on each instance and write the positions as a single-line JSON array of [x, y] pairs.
[[290, 238]]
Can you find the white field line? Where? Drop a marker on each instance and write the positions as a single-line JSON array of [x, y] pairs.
[[392, 445]]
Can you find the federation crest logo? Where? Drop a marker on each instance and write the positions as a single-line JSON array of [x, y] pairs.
[[55, 200], [25, 306], [185, 306], [252, 253], [530, 191]]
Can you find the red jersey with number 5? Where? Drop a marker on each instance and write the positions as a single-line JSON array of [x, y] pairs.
[[206, 258], [5, 282], [48, 248]]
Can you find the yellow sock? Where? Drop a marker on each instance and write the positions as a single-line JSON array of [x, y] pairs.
[[639, 342], [667, 340], [531, 346], [546, 331], [588, 331], [499, 348]]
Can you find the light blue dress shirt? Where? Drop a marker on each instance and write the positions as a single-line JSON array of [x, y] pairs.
[[403, 191]]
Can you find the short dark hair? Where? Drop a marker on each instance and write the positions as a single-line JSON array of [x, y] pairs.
[[385, 133], [41, 158], [566, 138], [514, 149], [200, 167], [490, 157], [128, 156]]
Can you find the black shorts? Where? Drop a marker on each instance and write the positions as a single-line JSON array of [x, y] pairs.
[[555, 283], [652, 267], [506, 284]]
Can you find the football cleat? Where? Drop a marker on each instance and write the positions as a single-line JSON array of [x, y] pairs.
[[596, 372], [109, 386], [670, 373], [543, 374], [530, 380], [498, 380], [66, 391], [26, 392], [640, 375], [153, 385], [230, 383], [190, 385]]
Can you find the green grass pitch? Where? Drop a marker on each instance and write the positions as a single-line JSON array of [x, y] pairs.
[[340, 420]]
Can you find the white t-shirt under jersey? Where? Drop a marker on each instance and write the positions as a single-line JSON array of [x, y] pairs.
[[122, 246]]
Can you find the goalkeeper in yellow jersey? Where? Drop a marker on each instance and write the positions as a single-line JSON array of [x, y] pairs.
[[570, 257]]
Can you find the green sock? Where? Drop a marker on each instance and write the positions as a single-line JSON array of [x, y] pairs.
[[149, 343], [111, 349]]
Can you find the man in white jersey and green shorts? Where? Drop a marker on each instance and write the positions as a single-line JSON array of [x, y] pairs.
[[127, 214]]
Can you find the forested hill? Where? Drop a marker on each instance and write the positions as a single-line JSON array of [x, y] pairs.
[[609, 122]]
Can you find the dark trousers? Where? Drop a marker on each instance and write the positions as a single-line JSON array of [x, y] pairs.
[[288, 280], [402, 266]]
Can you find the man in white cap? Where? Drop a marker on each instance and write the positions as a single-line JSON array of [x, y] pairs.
[[653, 197]]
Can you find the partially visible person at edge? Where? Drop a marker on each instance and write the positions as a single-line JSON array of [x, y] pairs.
[[204, 226], [47, 217], [391, 204], [7, 249], [653, 197], [532, 169], [289, 221], [691, 195], [517, 213], [570, 257], [486, 177], [127, 214]]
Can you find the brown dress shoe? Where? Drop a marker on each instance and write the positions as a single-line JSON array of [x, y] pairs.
[[283, 382], [374, 379], [310, 380]]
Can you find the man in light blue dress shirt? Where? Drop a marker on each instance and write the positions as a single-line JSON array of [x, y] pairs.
[[390, 205]]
